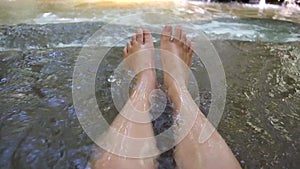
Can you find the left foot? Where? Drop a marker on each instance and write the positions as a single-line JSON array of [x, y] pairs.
[[139, 57]]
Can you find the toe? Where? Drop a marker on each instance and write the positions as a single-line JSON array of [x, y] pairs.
[[133, 39], [128, 46], [125, 52], [188, 44], [191, 50], [177, 34], [184, 41], [183, 37], [166, 33], [147, 36], [140, 37]]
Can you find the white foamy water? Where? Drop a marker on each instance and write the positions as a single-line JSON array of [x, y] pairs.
[[243, 22]]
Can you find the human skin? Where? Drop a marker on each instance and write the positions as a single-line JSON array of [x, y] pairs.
[[141, 49], [213, 153], [176, 58]]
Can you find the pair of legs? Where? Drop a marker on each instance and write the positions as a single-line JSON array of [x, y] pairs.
[[189, 153]]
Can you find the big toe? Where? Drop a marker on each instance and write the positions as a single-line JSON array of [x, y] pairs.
[[166, 33]]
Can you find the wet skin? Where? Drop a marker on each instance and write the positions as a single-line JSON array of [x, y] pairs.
[[176, 58]]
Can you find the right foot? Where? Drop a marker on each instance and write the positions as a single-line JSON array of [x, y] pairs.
[[176, 57]]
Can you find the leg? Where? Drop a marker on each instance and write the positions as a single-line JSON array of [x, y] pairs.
[[141, 48], [190, 153]]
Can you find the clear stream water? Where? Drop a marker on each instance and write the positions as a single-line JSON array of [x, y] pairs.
[[40, 41]]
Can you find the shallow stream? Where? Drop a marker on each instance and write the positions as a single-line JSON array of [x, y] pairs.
[[39, 44]]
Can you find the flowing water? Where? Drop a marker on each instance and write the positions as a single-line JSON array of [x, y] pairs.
[[40, 41]]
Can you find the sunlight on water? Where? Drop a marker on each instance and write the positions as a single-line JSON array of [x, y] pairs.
[[56, 11], [215, 19]]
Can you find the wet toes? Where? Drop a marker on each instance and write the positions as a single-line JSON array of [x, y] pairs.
[[133, 39], [128, 46], [125, 52], [166, 33], [147, 36], [140, 37]]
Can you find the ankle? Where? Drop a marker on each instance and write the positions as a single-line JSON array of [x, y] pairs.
[[146, 78], [176, 94], [175, 89], [147, 74]]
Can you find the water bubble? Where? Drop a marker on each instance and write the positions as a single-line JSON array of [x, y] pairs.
[[55, 54], [111, 79], [3, 80], [107, 108]]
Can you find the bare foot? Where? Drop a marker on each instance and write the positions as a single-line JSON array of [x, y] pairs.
[[190, 153], [176, 71], [139, 57]]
